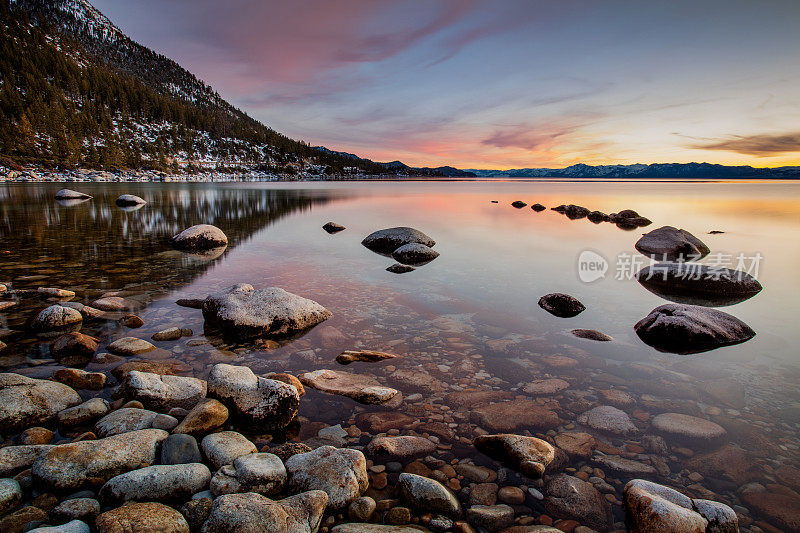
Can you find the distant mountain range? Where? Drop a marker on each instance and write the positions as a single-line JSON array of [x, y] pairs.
[[642, 171]]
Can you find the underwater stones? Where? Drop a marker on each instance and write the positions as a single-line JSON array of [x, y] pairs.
[[56, 317], [383, 421], [576, 444], [245, 312], [199, 237], [361, 388], [428, 495], [696, 283], [414, 254], [609, 419], [366, 356], [668, 243], [780, 509], [130, 346], [333, 227], [574, 499], [386, 241], [400, 448], [68, 194], [74, 349], [115, 303], [268, 403], [686, 428], [686, 329], [252, 513], [26, 402], [591, 334], [54, 292], [545, 387], [505, 417], [157, 483], [527, 455], [561, 305], [340, 472], [170, 334], [162, 393], [623, 466], [129, 200]]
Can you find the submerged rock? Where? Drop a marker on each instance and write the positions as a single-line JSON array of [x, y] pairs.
[[386, 241], [367, 356], [545, 387], [505, 417], [609, 419], [360, 387], [130, 346], [57, 317], [251, 513], [527, 455], [668, 243], [686, 329], [68, 194], [400, 448], [333, 227], [574, 499], [699, 284], [397, 268], [26, 402], [200, 237], [561, 305], [74, 349], [340, 472], [414, 254], [129, 200], [245, 312], [428, 495], [687, 428]]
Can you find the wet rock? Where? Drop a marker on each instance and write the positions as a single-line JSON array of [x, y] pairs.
[[701, 284], [575, 212], [225, 447], [180, 449], [414, 379], [157, 483], [366, 356], [414, 254], [782, 510], [162, 393], [144, 516], [69, 194], [55, 292], [653, 507], [267, 403], [80, 379], [428, 495], [591, 334], [386, 241], [400, 448], [383, 422], [519, 204], [129, 200], [506, 417], [74, 349], [397, 268], [161, 368], [125, 420], [545, 387], [575, 444], [91, 463], [171, 334], [131, 321], [528, 455], [688, 429], [333, 227], [27, 402], [491, 517], [361, 388], [192, 303], [721, 518], [245, 312], [686, 329], [668, 243], [263, 473], [288, 379], [10, 494], [340, 473], [57, 317], [114, 304], [83, 414], [200, 237], [538, 207], [254, 513], [561, 305], [130, 346], [85, 509], [571, 498], [16, 458], [204, 417], [609, 419]]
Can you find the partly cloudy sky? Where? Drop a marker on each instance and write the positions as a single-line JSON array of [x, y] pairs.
[[499, 83]]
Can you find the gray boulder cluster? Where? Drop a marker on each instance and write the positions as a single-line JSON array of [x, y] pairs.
[[408, 246]]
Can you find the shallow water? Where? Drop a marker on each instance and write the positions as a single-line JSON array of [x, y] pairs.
[[444, 319]]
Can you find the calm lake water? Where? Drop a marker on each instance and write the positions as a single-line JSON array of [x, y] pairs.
[[469, 320]]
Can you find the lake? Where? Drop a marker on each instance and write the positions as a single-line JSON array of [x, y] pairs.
[[467, 321]]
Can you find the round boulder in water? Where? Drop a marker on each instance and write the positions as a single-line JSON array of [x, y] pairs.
[[130, 200], [386, 241], [200, 237], [333, 227], [671, 244], [686, 329], [561, 305], [414, 254]]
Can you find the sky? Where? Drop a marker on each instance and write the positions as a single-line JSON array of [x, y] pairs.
[[502, 83]]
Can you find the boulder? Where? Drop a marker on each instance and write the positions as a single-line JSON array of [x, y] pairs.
[[157, 483], [90, 463], [125, 420], [73, 526], [693, 283], [608, 419], [141, 517], [16, 458], [254, 513], [561, 305], [687, 329], [491, 517], [130, 346], [80, 379], [360, 387], [55, 292], [400, 448], [538, 207], [597, 217], [57, 317], [129, 200], [244, 312], [414, 254], [527, 455], [262, 473], [225, 447], [178, 449], [204, 417], [200, 237], [353, 527], [74, 349], [688, 429], [519, 204], [267, 403], [68, 194], [386, 241], [620, 465], [671, 244], [76, 509], [571, 498], [162, 393], [87, 412], [428, 495], [115, 303], [170, 334], [576, 444], [340, 472], [779, 508], [333, 227], [506, 417], [26, 402]]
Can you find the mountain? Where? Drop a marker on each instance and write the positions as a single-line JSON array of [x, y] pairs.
[[77, 91], [401, 169], [642, 171]]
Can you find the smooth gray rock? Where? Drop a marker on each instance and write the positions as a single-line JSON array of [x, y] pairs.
[[254, 513], [84, 413], [244, 312], [687, 329], [162, 393], [414, 254], [200, 237], [386, 241], [57, 317], [225, 447], [125, 420], [668, 243], [527, 455], [340, 472], [26, 402], [180, 449], [360, 387], [428, 495], [157, 483], [263, 473]]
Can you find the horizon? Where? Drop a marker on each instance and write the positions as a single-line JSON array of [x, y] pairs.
[[538, 85]]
